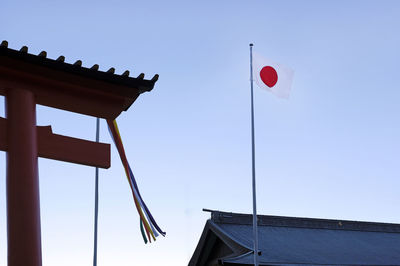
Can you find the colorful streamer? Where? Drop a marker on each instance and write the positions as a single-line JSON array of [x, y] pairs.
[[148, 225]]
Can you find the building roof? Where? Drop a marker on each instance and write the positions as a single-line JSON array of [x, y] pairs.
[[299, 241], [68, 86]]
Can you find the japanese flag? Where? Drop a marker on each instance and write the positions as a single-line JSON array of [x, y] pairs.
[[272, 76]]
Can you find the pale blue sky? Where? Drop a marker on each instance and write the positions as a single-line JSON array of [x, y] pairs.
[[331, 151]]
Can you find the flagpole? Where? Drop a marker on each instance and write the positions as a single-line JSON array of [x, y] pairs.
[[96, 198], [255, 231]]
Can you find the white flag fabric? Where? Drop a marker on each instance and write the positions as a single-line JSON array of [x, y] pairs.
[[272, 76]]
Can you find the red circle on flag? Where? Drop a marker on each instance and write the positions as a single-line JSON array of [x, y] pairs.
[[269, 76]]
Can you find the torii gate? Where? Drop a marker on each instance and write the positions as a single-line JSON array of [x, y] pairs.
[[27, 80]]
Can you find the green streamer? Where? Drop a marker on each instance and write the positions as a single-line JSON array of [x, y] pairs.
[[142, 231]]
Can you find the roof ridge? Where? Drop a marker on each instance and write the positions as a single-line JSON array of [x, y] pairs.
[[303, 222]]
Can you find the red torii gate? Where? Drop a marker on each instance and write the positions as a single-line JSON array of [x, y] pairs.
[[27, 80]]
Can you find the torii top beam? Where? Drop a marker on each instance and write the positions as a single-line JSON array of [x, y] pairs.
[[70, 87]]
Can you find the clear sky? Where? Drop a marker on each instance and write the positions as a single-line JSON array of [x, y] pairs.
[[331, 151]]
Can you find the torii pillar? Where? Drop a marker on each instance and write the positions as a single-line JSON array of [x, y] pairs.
[[23, 207], [27, 80]]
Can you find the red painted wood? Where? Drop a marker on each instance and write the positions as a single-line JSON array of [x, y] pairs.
[[23, 207], [63, 148], [73, 150], [66, 91]]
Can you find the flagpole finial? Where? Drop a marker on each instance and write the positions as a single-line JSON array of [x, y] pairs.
[[251, 44]]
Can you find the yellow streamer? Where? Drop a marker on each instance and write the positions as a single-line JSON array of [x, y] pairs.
[[145, 222]]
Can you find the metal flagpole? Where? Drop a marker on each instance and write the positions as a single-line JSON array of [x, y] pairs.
[[255, 231], [96, 198]]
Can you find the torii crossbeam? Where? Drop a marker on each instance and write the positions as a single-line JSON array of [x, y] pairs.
[[27, 80]]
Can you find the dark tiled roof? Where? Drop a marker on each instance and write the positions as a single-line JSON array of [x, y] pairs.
[[281, 221], [77, 68], [304, 241]]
